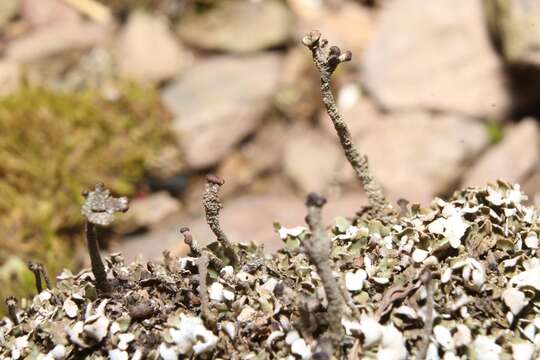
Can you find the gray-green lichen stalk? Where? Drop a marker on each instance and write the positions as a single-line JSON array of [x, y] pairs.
[[327, 60]]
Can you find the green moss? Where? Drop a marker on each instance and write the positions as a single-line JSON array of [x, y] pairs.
[[53, 146], [495, 132]]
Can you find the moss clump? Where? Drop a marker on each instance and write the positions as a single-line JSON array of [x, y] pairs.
[[53, 145]]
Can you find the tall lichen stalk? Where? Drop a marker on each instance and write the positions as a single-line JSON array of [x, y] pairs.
[[326, 60], [317, 247]]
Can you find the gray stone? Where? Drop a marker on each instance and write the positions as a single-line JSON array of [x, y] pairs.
[[511, 159], [435, 55], [147, 51], [219, 102], [310, 159], [238, 26], [416, 155]]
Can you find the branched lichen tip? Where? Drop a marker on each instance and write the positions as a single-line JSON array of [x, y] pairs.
[[316, 200], [214, 179], [311, 39], [99, 206]]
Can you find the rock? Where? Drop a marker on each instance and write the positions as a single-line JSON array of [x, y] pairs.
[[152, 209], [74, 70], [511, 159], [147, 51], [310, 159], [515, 29], [250, 217], [57, 39], [242, 167], [298, 96], [416, 155], [244, 219], [359, 115], [47, 13], [8, 9], [238, 26], [346, 24], [437, 57], [219, 102], [531, 186], [10, 77]]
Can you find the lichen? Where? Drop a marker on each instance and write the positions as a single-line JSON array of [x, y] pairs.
[[462, 300]]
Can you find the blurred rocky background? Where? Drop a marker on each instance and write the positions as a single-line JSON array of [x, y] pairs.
[[148, 96]]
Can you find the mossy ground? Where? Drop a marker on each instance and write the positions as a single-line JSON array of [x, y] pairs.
[[53, 146]]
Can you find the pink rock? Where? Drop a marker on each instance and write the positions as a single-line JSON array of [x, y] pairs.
[[416, 155], [220, 101], [531, 185], [346, 24], [39, 13], [56, 39], [435, 55], [147, 51], [360, 117], [243, 219], [311, 159], [511, 160]]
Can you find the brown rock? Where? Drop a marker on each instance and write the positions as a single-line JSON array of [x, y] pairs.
[[310, 159], [219, 102], [147, 51], [435, 55], [511, 159], [237, 26], [416, 155]]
